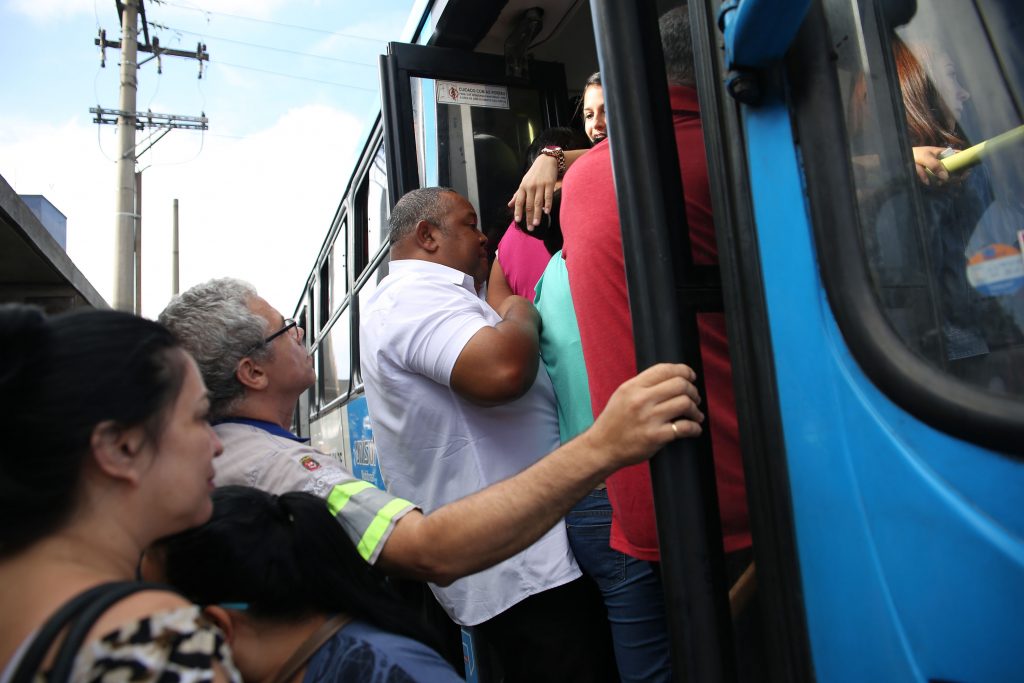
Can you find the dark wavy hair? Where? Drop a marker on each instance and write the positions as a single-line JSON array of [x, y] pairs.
[[287, 557], [60, 377]]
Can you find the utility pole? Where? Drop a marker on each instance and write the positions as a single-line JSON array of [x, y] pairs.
[[125, 237], [138, 243], [128, 249], [174, 253]]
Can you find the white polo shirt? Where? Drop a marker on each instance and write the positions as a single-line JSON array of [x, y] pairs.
[[435, 447]]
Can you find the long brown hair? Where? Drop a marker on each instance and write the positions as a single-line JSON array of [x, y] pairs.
[[927, 114]]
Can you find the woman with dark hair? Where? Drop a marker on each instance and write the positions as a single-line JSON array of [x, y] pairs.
[[106, 448], [594, 120], [533, 200], [521, 257], [293, 595]]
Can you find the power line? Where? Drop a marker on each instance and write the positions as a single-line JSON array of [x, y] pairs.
[[267, 21], [262, 47], [300, 78]]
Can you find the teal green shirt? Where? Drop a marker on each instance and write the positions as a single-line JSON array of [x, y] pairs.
[[562, 351]]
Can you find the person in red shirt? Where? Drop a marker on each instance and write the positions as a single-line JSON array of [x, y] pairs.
[[594, 259]]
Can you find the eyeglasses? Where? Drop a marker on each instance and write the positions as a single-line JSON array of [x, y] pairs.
[[289, 324]]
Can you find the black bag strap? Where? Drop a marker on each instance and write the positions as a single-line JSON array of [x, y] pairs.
[[81, 612]]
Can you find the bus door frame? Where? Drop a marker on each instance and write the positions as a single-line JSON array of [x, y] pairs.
[[405, 61], [649, 188], [650, 199]]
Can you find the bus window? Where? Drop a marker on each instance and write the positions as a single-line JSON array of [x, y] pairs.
[[300, 421], [377, 207], [941, 231], [472, 138], [380, 270], [324, 292], [372, 210], [335, 356], [339, 266], [311, 328]]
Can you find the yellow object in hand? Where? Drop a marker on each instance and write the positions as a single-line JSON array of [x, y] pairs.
[[973, 155]]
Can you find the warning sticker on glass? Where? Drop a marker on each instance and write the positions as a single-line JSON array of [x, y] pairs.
[[996, 270], [473, 94]]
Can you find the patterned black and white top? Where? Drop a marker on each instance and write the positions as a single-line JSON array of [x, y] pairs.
[[175, 646]]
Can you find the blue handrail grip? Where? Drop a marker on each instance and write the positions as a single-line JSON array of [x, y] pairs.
[[758, 32]]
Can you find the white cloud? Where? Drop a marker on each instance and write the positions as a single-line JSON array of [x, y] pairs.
[[257, 208], [66, 164]]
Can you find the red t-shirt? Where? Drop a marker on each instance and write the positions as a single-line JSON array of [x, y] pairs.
[[597, 277]]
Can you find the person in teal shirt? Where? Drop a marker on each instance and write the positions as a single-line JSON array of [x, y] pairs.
[[630, 587]]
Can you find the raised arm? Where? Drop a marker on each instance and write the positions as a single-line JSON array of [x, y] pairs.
[[499, 364], [538, 186], [491, 525]]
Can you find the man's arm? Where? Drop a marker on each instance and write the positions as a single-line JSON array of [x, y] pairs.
[[499, 364], [497, 286], [489, 526]]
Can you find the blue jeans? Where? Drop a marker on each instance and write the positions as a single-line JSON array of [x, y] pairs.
[[631, 589]]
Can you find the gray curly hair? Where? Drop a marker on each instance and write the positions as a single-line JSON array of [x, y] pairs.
[[213, 322]]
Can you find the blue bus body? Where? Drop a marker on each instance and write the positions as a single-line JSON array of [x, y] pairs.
[[910, 541]]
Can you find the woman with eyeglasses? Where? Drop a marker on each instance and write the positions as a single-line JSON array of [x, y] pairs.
[[106, 448], [296, 600]]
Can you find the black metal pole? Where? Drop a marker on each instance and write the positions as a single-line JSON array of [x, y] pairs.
[[657, 257]]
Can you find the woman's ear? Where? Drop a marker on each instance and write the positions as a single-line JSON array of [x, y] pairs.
[[115, 449], [222, 618]]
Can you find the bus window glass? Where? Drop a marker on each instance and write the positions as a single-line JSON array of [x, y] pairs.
[[324, 292], [942, 231], [300, 420], [311, 328], [339, 267], [472, 137], [378, 274], [377, 207], [335, 354]]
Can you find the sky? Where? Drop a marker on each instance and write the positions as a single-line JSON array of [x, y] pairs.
[[290, 91]]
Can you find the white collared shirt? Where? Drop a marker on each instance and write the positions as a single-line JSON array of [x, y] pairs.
[[435, 447]]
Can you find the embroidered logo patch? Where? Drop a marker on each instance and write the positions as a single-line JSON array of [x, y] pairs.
[[309, 463]]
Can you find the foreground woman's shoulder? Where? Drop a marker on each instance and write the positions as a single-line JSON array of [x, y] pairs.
[[176, 643]]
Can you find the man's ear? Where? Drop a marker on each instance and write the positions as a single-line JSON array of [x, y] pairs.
[[115, 448], [251, 374], [222, 618], [425, 234]]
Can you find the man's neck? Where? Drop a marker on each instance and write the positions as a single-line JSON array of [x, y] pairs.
[[262, 407]]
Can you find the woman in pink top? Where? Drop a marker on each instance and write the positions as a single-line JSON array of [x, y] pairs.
[[521, 258]]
